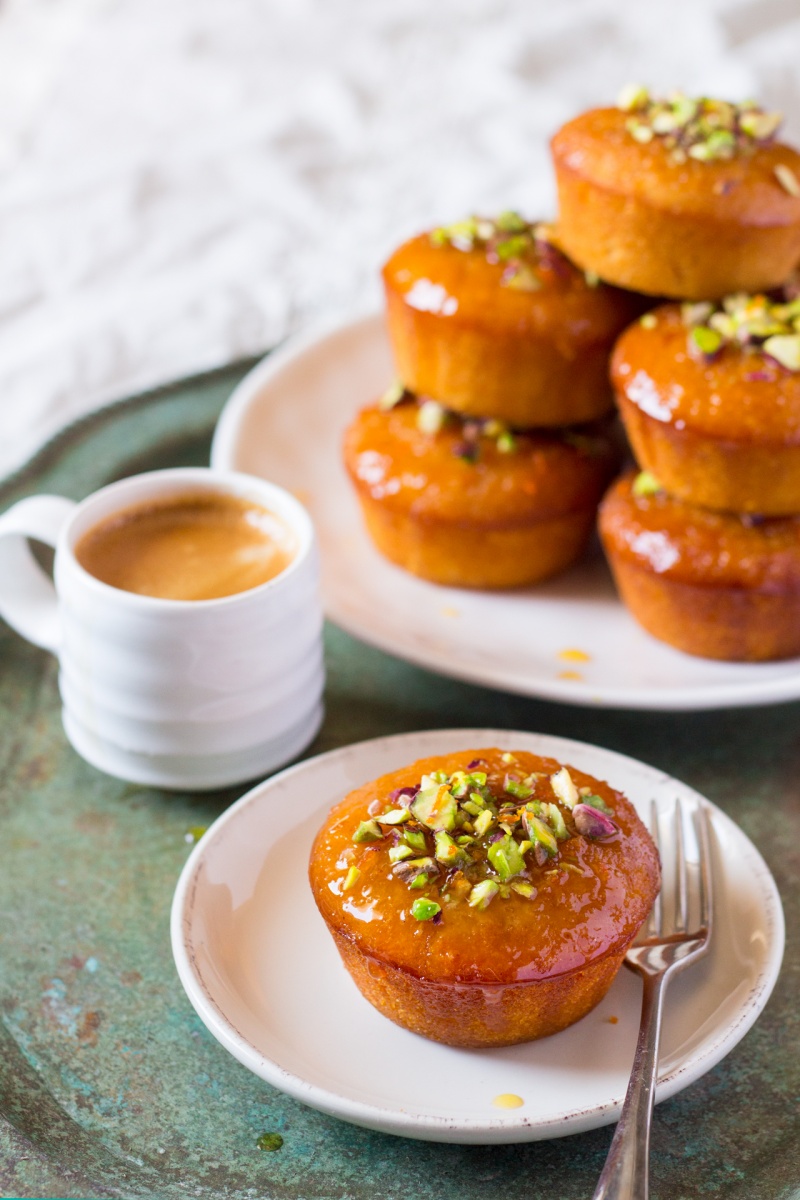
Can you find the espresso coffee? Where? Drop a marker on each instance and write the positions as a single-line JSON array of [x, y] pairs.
[[195, 546]]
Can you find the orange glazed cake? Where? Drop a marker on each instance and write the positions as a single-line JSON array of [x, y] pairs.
[[710, 398], [471, 503], [489, 318], [687, 198], [718, 585], [483, 898]]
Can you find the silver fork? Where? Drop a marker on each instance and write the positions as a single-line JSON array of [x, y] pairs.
[[662, 949]]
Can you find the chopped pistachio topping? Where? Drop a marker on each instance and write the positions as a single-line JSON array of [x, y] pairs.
[[516, 787], [435, 807], [696, 314], [393, 395], [765, 324], [351, 879], [449, 853], [395, 816], [524, 248], [399, 852], [368, 831], [588, 797], [787, 179], [592, 823], [431, 416], [475, 432], [632, 96], [760, 125], [484, 822], [521, 277], [701, 128], [553, 816], [639, 132], [564, 788], [704, 341], [540, 834], [466, 837], [785, 349], [270, 1142], [646, 484], [482, 893], [415, 838], [506, 857], [424, 909]]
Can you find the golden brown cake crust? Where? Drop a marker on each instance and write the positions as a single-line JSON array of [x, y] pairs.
[[526, 357], [740, 394], [693, 230], [680, 541], [502, 520], [546, 475], [526, 965], [712, 584], [478, 1015], [744, 189], [721, 432]]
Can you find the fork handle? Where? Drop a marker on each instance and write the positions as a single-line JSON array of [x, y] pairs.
[[626, 1171]]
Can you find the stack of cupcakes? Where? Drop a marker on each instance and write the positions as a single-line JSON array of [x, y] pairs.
[[484, 464], [695, 200]]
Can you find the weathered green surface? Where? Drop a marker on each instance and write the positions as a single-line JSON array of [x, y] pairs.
[[110, 1085]]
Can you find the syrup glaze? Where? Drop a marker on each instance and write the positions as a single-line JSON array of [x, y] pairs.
[[464, 288], [739, 395], [547, 474], [598, 146], [695, 545], [577, 916]]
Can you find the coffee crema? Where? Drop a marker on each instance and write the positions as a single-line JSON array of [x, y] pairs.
[[190, 546]]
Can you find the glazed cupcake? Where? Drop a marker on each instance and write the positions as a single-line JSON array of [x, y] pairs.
[[685, 198], [503, 891], [489, 318], [472, 503], [717, 585], [710, 398]]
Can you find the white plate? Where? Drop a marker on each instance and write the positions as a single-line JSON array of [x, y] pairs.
[[285, 422], [262, 971]]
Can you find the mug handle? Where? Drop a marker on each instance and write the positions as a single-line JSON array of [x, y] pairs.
[[27, 596]]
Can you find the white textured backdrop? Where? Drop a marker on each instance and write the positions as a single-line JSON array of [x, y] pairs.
[[183, 182]]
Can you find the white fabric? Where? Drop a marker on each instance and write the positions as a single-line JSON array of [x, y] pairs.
[[183, 182]]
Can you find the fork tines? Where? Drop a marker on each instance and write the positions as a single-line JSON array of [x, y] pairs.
[[684, 904]]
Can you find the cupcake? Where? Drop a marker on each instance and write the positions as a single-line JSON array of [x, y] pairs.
[[718, 585], [490, 319], [474, 503], [710, 398], [484, 898], [685, 198]]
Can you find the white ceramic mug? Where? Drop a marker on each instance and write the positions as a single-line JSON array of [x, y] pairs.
[[176, 693]]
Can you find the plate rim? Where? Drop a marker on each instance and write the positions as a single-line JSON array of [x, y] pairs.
[[687, 698], [432, 1127]]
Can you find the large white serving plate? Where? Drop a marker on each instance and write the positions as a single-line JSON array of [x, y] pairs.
[[262, 971], [285, 422]]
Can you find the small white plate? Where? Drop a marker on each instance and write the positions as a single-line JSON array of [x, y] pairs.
[[285, 422], [262, 971]]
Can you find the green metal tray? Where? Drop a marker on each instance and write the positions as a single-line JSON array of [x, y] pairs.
[[109, 1083]]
